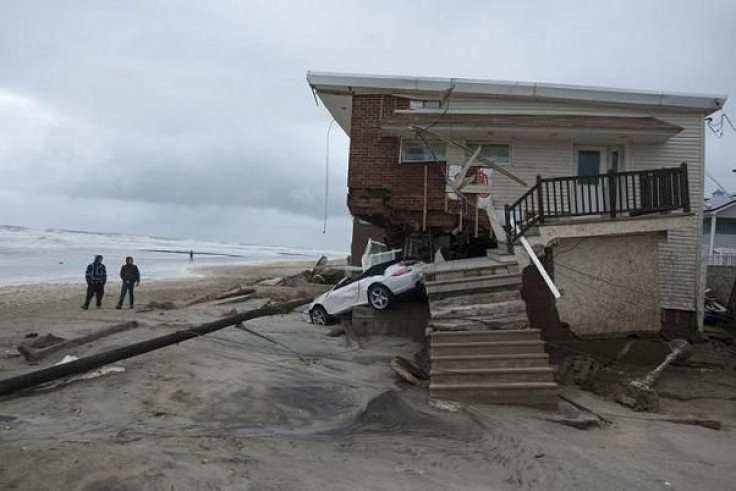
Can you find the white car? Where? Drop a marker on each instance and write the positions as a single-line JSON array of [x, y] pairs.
[[376, 287]]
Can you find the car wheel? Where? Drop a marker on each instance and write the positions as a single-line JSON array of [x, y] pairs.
[[318, 315], [379, 297]]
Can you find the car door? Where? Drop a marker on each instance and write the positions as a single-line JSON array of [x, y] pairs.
[[342, 298], [363, 284]]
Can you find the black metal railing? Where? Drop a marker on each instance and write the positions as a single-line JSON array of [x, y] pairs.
[[612, 194]]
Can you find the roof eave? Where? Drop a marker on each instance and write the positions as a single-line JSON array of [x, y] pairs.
[[351, 83]]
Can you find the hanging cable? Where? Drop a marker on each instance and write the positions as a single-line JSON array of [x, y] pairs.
[[327, 174], [717, 127]]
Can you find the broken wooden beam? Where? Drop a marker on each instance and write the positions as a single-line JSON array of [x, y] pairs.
[[33, 355], [222, 296], [38, 377], [237, 299]]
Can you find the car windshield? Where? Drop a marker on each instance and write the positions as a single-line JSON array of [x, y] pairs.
[[344, 281], [378, 269]]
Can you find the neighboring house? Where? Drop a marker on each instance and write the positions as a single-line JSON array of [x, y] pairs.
[[614, 184], [719, 228]]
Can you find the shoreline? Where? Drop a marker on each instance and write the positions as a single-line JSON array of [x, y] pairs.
[[186, 271], [207, 278]]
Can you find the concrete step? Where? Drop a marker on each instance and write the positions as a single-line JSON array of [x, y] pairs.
[[465, 376], [501, 256], [466, 268], [535, 394], [500, 322], [453, 337], [534, 360], [494, 348], [487, 270], [501, 282], [489, 310], [474, 279], [472, 298]]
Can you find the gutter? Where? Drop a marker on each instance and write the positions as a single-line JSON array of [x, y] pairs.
[[356, 83]]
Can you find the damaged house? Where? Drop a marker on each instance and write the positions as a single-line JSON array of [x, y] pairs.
[[613, 190], [564, 214]]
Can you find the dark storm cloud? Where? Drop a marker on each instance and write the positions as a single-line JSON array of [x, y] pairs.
[[217, 173], [204, 104]]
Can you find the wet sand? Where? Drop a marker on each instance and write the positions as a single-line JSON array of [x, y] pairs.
[[231, 410]]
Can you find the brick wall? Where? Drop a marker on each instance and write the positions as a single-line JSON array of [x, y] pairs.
[[374, 164]]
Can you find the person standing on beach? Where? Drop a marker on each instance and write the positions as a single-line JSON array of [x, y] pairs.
[[96, 277], [131, 278], [191, 256]]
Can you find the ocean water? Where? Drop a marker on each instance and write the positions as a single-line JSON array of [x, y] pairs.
[[61, 256]]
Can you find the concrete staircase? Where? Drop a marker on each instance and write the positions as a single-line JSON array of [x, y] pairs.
[[481, 349]]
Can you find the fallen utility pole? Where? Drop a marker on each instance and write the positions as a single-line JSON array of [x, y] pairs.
[[38, 377], [680, 349]]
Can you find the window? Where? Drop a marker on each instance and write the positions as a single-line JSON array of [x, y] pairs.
[[418, 151], [589, 164], [424, 104], [500, 153]]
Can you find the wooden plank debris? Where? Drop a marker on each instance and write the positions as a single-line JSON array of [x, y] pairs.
[[33, 355]]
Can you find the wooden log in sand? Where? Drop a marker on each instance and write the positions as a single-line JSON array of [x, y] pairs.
[[239, 299], [38, 377], [236, 293], [222, 296], [33, 355]]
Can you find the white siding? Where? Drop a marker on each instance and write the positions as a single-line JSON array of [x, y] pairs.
[[679, 257], [679, 282]]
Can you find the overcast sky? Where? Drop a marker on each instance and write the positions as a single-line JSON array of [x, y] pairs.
[[193, 118]]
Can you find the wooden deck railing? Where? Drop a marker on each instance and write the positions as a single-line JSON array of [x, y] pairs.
[[611, 195]]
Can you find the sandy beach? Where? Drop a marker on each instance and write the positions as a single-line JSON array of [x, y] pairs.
[[231, 410]]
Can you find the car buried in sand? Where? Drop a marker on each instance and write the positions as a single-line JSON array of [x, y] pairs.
[[378, 286]]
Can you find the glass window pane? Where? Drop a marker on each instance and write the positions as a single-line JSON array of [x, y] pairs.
[[418, 151], [497, 152], [589, 164]]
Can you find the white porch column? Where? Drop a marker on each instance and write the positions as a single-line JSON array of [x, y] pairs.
[[711, 241]]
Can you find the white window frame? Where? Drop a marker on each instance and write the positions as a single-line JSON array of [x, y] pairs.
[[606, 149], [470, 143], [419, 141], [428, 104]]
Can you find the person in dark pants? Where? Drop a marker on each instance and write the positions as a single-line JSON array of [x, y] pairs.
[[131, 278], [96, 277]]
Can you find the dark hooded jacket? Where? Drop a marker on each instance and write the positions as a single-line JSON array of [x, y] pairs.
[[96, 272], [129, 273]]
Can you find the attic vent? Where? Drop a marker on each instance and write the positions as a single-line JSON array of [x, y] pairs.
[[424, 104]]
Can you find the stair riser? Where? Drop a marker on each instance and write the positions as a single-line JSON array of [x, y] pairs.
[[484, 337], [478, 298], [472, 273], [542, 398], [505, 323], [450, 350], [461, 292], [486, 378], [484, 284], [493, 311], [460, 364]]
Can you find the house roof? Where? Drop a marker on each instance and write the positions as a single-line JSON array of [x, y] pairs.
[[718, 201], [336, 90]]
